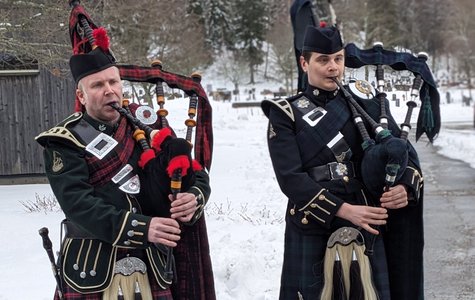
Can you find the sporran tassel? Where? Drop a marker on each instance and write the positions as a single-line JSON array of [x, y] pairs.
[[127, 285], [346, 269], [339, 291], [137, 293], [356, 286], [120, 294]]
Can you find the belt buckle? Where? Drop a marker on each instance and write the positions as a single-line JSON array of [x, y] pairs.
[[128, 265], [338, 170]]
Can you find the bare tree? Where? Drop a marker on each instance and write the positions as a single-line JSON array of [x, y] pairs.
[[282, 54], [233, 68], [148, 29], [35, 30]]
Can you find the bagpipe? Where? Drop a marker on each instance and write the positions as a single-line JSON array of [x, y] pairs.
[[387, 154], [168, 161]]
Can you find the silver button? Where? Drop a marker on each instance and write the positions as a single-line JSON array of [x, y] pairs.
[[130, 233], [83, 275], [134, 210], [92, 273], [127, 243], [135, 223], [76, 267]]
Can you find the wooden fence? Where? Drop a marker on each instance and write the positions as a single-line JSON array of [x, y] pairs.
[[30, 104]]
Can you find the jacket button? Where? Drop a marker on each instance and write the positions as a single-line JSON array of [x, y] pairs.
[[130, 233], [127, 243], [346, 178], [135, 223], [292, 211], [321, 197]]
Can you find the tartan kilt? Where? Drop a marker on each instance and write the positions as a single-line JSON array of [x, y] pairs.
[[404, 248], [157, 292], [302, 270]]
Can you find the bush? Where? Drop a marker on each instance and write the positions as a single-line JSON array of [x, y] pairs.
[[41, 204]]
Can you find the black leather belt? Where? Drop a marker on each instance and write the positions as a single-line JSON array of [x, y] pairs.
[[333, 171]]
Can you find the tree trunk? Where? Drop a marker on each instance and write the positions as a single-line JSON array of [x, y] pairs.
[[267, 61], [251, 69]]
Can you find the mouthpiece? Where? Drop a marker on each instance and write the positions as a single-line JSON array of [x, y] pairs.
[[114, 105]]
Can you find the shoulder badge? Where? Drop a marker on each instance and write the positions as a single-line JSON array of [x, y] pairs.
[[58, 164], [271, 132]]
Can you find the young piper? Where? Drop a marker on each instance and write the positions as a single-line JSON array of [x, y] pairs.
[[316, 152]]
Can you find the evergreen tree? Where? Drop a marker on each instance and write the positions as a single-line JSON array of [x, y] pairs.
[[382, 23], [250, 27], [217, 23]]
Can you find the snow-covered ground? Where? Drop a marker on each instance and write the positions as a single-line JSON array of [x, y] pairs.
[[244, 215]]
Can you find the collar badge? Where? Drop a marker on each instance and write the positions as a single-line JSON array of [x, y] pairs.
[[302, 103]]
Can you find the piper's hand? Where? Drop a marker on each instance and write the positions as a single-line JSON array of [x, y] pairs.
[[184, 207], [395, 198], [363, 216], [165, 231]]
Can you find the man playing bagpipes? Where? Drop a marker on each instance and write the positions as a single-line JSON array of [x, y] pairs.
[[117, 232], [316, 150]]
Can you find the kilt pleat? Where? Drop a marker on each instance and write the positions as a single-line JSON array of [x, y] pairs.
[[157, 293]]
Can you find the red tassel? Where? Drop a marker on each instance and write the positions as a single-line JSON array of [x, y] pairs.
[[146, 156], [101, 39], [196, 165], [178, 162], [323, 24], [160, 137]]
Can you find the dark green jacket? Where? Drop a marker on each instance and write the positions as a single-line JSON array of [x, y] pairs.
[[106, 217]]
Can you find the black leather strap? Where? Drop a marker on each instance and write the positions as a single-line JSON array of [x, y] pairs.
[[332, 171]]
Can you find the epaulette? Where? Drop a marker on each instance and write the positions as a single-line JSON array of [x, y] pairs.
[[61, 131], [294, 97], [282, 104]]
